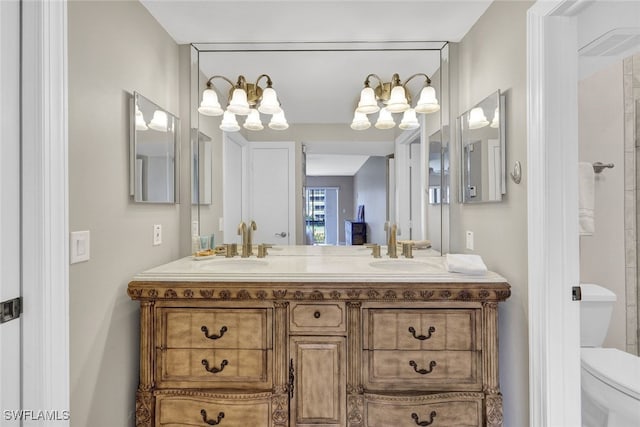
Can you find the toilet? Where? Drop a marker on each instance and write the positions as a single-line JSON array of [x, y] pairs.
[[610, 378]]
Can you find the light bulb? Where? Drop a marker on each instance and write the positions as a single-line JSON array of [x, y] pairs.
[[409, 120], [398, 100], [495, 123], [360, 121], [238, 104], [140, 123], [385, 119], [229, 122], [428, 103], [253, 121], [367, 104], [278, 121], [477, 119], [210, 105], [159, 121], [269, 103]]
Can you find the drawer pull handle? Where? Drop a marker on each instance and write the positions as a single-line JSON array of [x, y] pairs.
[[432, 365], [316, 314], [211, 422], [213, 336], [214, 370], [415, 417], [432, 329]]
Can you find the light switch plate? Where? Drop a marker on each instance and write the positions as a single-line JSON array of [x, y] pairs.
[[470, 240], [157, 234], [80, 247]]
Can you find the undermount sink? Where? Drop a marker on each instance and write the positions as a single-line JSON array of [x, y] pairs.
[[235, 265], [401, 265]]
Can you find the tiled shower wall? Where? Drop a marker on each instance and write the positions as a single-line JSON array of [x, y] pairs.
[[631, 69]]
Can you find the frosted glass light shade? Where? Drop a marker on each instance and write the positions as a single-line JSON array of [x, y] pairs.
[[428, 103], [360, 121], [159, 121], [229, 122], [409, 120], [385, 120], [398, 100], [278, 121], [367, 103], [140, 123], [495, 123], [477, 119], [210, 105], [269, 103], [238, 104], [253, 121]]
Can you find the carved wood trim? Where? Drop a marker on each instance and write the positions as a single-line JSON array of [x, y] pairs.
[[425, 398], [212, 394], [280, 410], [490, 378], [145, 408], [355, 410], [147, 335], [354, 347], [493, 410], [280, 350]]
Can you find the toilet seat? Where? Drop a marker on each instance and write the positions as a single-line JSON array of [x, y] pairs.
[[614, 367]]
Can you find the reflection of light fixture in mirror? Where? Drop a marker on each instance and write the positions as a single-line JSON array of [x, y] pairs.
[[360, 121], [244, 99], [278, 121], [495, 123], [229, 122], [477, 119], [140, 123], [385, 119], [253, 121], [409, 120], [396, 98], [159, 121]]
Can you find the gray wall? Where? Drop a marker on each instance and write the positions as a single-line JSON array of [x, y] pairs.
[[370, 187], [114, 49], [346, 200], [493, 56]]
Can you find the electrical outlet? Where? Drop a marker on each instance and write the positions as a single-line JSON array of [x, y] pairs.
[[157, 234], [470, 240]]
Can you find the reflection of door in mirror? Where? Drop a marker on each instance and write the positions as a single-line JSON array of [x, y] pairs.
[[153, 152]]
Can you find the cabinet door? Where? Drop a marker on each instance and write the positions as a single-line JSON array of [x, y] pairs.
[[319, 393]]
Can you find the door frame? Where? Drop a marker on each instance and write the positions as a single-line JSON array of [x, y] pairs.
[[552, 210], [45, 219]]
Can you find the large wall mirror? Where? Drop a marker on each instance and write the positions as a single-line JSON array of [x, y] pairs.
[[311, 169], [482, 146], [153, 152]]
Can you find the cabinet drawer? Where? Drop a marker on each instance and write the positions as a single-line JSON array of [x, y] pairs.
[[179, 411], [216, 328], [234, 368], [448, 411], [423, 329], [324, 318], [422, 370]]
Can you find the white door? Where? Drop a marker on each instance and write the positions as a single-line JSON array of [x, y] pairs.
[[234, 185], [272, 192], [10, 366]]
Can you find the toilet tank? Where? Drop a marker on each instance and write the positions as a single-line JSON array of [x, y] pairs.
[[596, 308]]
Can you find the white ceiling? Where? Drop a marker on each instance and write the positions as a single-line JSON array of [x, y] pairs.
[[334, 164], [320, 86]]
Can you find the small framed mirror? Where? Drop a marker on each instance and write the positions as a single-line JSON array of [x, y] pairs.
[[481, 133], [153, 152]]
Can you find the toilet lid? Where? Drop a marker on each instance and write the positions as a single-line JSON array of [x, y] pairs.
[[618, 369]]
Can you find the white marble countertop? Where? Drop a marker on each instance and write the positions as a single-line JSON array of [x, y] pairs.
[[315, 264]]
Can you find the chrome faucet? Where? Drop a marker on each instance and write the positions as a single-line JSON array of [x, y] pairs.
[[392, 249]]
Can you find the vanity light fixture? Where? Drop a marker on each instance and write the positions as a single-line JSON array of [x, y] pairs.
[[477, 119], [395, 98], [495, 123], [140, 123], [245, 99], [159, 121]]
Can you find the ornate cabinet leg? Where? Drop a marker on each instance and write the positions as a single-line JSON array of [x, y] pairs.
[[355, 397], [145, 407], [280, 399], [493, 397]]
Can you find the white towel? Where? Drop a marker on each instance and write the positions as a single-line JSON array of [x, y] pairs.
[[586, 186], [466, 264]]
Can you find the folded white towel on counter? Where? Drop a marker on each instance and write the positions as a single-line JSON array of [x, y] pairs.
[[466, 264], [586, 188]]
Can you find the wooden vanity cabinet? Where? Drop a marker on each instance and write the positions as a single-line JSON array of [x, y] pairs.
[[318, 354]]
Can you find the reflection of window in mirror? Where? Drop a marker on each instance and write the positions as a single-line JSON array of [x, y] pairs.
[[153, 152]]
